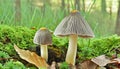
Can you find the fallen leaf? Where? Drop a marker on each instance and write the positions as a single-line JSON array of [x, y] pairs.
[[117, 60], [53, 65], [87, 65], [101, 60], [31, 57]]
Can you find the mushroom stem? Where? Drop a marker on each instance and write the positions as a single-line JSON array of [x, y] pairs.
[[44, 52], [72, 49]]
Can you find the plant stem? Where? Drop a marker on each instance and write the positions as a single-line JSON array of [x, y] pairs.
[[44, 52], [72, 49]]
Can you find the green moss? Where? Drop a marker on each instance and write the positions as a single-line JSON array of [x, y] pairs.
[[64, 65], [1, 67], [105, 45], [21, 36], [14, 65], [4, 55], [87, 49], [99, 46]]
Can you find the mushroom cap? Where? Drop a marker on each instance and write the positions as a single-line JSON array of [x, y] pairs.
[[74, 24], [43, 37]]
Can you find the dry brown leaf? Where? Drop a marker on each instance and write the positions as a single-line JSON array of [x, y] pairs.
[[101, 60], [31, 57], [88, 65], [116, 60], [53, 65]]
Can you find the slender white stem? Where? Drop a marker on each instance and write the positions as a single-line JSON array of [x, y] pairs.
[[72, 49], [44, 52]]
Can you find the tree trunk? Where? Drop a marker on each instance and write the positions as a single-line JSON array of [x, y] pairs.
[[77, 5], [68, 6], [83, 3], [17, 11], [117, 30], [63, 4], [45, 3], [110, 11], [103, 6], [30, 5]]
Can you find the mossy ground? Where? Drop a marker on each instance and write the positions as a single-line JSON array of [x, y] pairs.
[[23, 37]]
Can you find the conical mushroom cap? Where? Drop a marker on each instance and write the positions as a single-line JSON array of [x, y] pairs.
[[74, 24], [43, 37]]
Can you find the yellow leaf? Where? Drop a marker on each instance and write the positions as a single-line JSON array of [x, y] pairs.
[[31, 57]]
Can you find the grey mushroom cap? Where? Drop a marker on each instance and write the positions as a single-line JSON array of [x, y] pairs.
[[43, 37], [74, 24]]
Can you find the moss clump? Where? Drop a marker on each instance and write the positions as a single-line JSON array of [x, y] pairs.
[[99, 46], [23, 37], [105, 45], [9, 36]]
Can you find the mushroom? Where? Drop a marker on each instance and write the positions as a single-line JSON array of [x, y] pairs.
[[74, 26], [43, 38]]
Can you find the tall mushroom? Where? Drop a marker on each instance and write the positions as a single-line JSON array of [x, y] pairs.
[[43, 38], [74, 26]]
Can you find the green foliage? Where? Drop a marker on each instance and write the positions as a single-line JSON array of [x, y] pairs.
[[51, 16], [13, 65], [101, 24], [99, 46], [87, 48], [32, 15], [42, 68], [105, 45], [32, 68], [9, 36], [4, 55], [64, 65], [1, 67], [60, 41]]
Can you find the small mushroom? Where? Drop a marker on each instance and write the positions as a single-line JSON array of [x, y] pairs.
[[43, 38], [74, 26]]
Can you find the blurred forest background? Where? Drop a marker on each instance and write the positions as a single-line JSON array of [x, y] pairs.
[[102, 15]]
